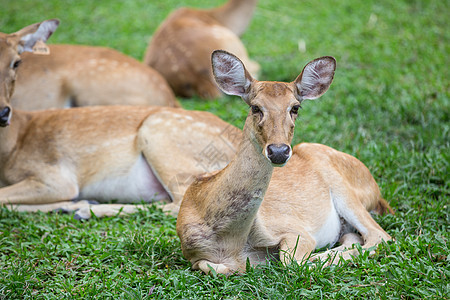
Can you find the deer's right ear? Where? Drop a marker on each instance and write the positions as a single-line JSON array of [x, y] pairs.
[[230, 74], [31, 34]]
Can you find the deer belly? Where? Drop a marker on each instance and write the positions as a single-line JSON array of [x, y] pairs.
[[329, 232], [133, 186]]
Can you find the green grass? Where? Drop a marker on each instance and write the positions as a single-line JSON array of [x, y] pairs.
[[388, 106]]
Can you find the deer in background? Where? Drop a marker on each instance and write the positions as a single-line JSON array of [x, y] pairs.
[[249, 211], [72, 75], [181, 47], [127, 153]]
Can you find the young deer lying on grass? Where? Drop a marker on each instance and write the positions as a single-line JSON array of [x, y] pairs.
[[248, 211], [69, 76], [181, 47], [126, 153]]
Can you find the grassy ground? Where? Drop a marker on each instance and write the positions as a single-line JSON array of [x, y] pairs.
[[388, 106]]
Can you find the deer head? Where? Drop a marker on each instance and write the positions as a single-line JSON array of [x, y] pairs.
[[11, 46], [273, 105]]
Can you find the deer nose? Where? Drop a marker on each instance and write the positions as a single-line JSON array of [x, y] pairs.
[[278, 154], [5, 116]]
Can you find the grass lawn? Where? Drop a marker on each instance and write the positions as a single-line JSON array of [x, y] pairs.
[[388, 106]]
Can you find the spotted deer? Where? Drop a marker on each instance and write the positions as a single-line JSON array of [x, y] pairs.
[[248, 210], [75, 75], [181, 47], [129, 153]]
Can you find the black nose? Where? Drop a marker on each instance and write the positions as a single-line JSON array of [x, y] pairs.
[[278, 154], [5, 116]]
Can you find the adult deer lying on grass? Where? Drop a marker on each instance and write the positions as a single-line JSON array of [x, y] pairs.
[[126, 153], [249, 211], [72, 75], [181, 47]]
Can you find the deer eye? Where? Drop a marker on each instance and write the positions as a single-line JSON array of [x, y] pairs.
[[16, 64], [256, 110], [294, 109]]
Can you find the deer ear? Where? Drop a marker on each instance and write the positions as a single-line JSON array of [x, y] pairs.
[[316, 78], [230, 74], [31, 34]]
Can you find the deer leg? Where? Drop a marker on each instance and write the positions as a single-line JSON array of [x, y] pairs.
[[206, 266], [83, 208], [372, 233], [30, 191], [63, 206], [351, 209], [347, 241], [106, 210], [296, 247], [171, 209]]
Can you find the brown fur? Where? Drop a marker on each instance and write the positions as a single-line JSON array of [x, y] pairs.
[[250, 210], [73, 75], [181, 47], [50, 156], [57, 155]]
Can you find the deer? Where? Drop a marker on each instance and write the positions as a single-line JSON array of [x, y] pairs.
[[65, 158], [251, 211], [132, 154], [62, 76], [181, 47]]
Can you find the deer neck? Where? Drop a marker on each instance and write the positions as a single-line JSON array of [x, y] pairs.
[[240, 189], [249, 159], [235, 14]]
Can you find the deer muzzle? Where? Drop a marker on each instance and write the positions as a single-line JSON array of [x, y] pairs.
[[278, 154], [5, 116]]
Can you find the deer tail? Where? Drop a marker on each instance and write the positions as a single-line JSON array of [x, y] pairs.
[[383, 207]]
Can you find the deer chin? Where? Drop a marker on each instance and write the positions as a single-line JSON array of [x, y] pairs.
[[279, 165]]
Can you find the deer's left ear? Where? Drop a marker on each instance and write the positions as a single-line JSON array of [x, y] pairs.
[[230, 74], [315, 78], [31, 34]]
